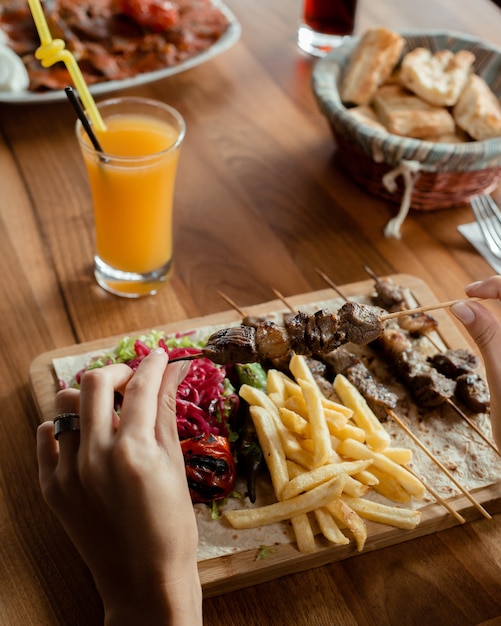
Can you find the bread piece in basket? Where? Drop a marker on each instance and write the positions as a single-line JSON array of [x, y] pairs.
[[403, 113], [367, 115], [371, 64], [440, 77], [478, 111]]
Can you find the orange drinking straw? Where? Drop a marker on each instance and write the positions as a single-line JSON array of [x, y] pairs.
[[52, 51]]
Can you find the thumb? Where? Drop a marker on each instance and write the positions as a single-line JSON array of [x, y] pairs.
[[485, 331], [481, 324]]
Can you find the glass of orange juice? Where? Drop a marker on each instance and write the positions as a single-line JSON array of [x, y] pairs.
[[132, 187]]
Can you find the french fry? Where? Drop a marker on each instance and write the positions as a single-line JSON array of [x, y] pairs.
[[356, 450], [299, 453], [346, 515], [401, 456], [319, 430], [300, 370], [330, 405], [275, 382], [309, 446], [297, 404], [277, 399], [285, 509], [258, 397], [303, 532], [283, 382], [335, 418], [355, 488], [311, 479], [345, 431], [294, 469], [271, 445], [299, 367], [376, 435], [294, 422], [367, 477], [399, 517], [328, 527], [389, 487]]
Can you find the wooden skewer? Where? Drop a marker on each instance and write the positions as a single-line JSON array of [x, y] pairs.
[[187, 357], [331, 284], [233, 304], [472, 424], [283, 299], [439, 464], [403, 312], [439, 498], [371, 273], [428, 307], [421, 309]]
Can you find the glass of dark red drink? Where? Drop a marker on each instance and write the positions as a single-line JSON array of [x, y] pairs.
[[325, 24]]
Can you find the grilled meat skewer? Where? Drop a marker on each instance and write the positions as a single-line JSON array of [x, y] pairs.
[[459, 365], [379, 398], [455, 363], [302, 333], [392, 298], [462, 366], [429, 387], [305, 334]]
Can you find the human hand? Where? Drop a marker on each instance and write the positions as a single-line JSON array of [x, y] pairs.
[[119, 488], [485, 330]]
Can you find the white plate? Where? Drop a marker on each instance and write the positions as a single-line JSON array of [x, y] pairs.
[[229, 37]]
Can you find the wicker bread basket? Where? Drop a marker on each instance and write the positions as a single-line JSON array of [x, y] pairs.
[[443, 175]]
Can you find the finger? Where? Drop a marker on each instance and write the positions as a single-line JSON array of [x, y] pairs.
[[485, 330], [483, 327], [140, 403], [97, 404], [166, 427], [488, 288], [47, 452]]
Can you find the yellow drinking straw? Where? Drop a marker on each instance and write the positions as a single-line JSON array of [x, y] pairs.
[[52, 51]]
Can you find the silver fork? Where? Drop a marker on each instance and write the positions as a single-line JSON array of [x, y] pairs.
[[488, 216]]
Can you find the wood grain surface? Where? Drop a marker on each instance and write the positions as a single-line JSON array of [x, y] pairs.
[[261, 201]]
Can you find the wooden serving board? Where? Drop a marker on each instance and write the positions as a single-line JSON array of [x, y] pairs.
[[230, 572]]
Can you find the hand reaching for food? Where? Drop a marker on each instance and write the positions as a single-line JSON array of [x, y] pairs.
[[119, 487], [485, 330]]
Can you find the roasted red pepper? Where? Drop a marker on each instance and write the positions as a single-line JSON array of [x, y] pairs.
[[157, 15], [210, 467]]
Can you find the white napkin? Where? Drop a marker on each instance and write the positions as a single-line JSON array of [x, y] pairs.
[[472, 233]]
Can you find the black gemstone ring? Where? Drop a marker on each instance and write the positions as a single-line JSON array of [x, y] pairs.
[[66, 422]]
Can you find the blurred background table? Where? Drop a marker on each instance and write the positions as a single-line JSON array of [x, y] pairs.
[[261, 202]]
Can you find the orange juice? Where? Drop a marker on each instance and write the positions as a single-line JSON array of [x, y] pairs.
[[132, 190]]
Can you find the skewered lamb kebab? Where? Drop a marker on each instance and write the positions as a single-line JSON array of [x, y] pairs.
[[302, 333], [462, 366], [379, 398], [458, 365], [392, 298], [429, 387]]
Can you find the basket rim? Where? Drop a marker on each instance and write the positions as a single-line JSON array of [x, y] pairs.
[[325, 78]]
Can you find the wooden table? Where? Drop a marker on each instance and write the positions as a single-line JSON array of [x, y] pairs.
[[260, 203]]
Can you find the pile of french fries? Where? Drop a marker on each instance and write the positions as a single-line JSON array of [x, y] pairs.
[[324, 458]]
